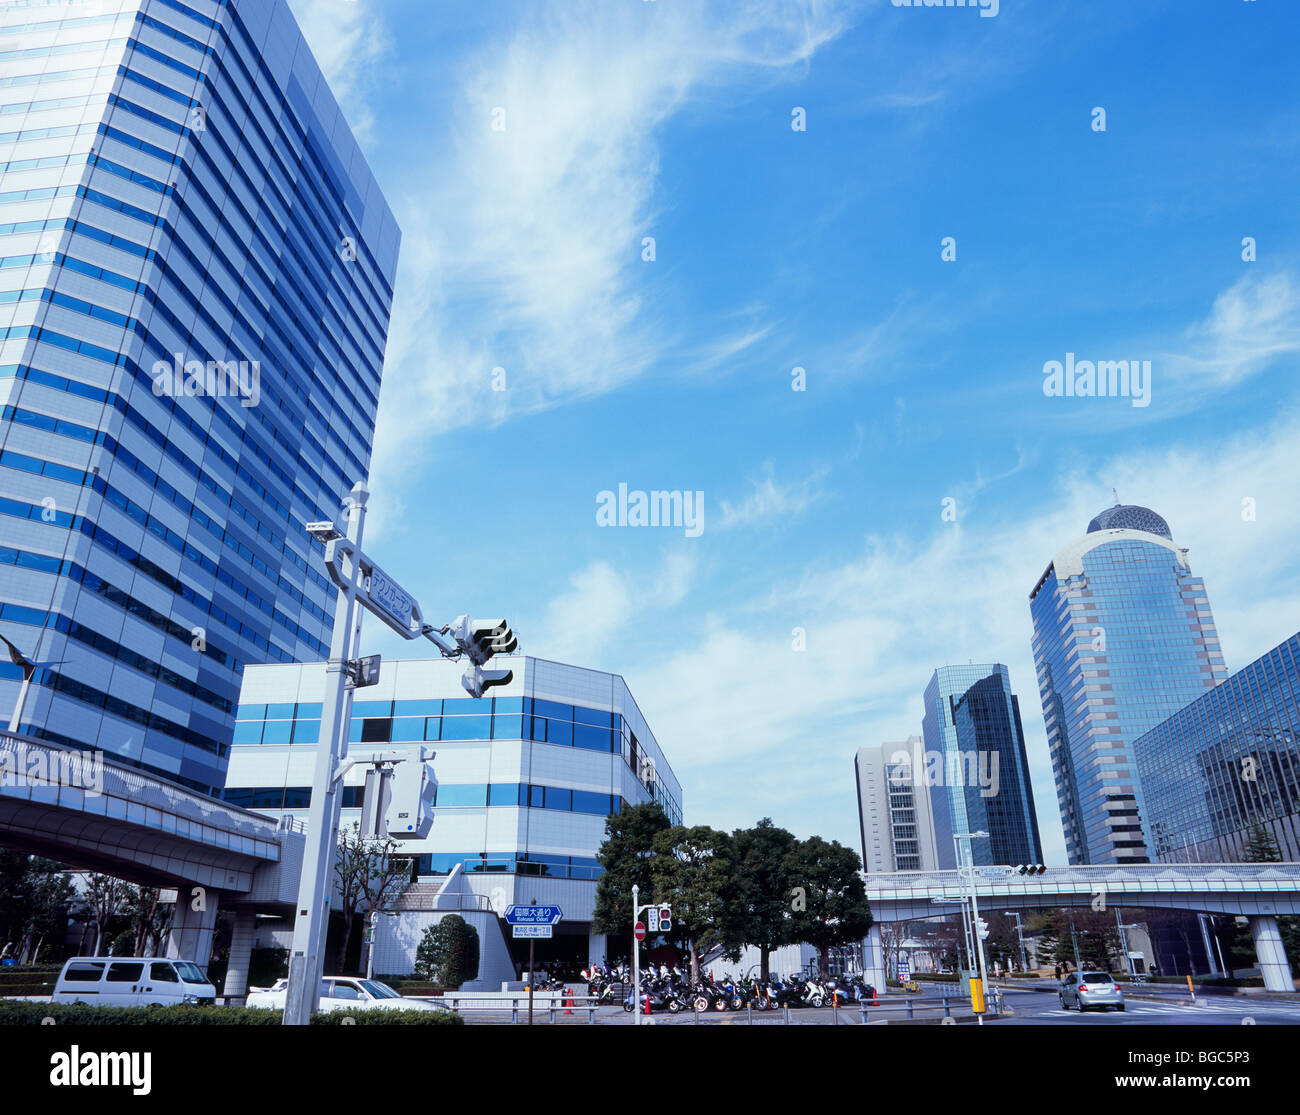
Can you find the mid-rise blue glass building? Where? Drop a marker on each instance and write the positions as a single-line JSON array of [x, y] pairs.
[[1123, 637], [976, 768], [1227, 762], [196, 270]]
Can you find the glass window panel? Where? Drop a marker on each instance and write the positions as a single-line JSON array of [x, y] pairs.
[[376, 730], [509, 705], [431, 727], [592, 739], [461, 795], [354, 730], [279, 712], [278, 731], [297, 797], [537, 797], [557, 798], [503, 793], [408, 729], [248, 731], [308, 710], [552, 710], [559, 733], [268, 797], [306, 731], [584, 801], [507, 727], [466, 706], [466, 727], [598, 717], [539, 729], [371, 708], [250, 712], [417, 708]]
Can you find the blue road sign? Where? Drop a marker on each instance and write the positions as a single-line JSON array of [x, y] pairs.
[[533, 915]]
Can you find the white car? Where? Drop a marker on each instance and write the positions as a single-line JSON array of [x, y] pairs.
[[342, 993]]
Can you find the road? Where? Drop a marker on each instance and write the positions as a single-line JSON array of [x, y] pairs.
[[1043, 1008]]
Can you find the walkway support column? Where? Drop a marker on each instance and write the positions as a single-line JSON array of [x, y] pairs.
[[192, 930], [1273, 964], [241, 953], [873, 958]]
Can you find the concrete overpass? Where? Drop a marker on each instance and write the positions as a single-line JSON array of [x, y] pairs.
[[1258, 891], [98, 815]]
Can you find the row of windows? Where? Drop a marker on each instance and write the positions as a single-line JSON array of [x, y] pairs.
[[509, 863], [437, 706], [447, 795]]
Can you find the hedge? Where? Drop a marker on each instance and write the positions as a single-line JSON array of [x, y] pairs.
[[77, 1014]]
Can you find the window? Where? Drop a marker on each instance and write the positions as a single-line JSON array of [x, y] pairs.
[[371, 708], [586, 802], [248, 731], [163, 973], [408, 729], [503, 793], [466, 727], [508, 727], [346, 990], [306, 731], [417, 708], [557, 798], [308, 710], [559, 732], [597, 717], [277, 731], [250, 712], [377, 730], [553, 711], [83, 973], [279, 712], [592, 739], [124, 973], [451, 795], [190, 973]]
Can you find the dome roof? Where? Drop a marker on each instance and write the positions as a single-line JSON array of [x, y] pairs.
[[1130, 517]]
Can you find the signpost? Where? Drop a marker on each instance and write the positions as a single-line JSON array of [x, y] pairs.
[[532, 922], [661, 921], [904, 970]]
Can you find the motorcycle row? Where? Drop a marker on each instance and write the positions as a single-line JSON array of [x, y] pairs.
[[670, 989]]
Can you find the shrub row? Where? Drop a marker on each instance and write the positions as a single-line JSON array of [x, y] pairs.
[[76, 1014]]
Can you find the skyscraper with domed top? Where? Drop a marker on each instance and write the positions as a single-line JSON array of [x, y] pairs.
[[1123, 638]]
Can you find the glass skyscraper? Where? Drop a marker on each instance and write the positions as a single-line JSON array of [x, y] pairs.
[[196, 271], [1226, 762], [976, 767], [1123, 637]]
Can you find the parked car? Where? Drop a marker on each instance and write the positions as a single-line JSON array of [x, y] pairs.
[[132, 982], [1085, 990], [343, 993]]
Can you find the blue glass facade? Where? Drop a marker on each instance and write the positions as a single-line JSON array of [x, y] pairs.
[[196, 272], [1227, 762], [1123, 637], [977, 768]]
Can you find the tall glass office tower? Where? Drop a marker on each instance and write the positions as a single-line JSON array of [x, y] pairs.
[[1123, 637], [976, 766], [195, 284]]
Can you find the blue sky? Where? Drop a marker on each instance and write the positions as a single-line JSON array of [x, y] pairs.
[[821, 249]]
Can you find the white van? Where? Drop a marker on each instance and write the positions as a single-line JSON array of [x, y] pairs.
[[110, 981]]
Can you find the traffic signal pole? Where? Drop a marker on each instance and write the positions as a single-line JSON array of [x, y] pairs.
[[636, 957]]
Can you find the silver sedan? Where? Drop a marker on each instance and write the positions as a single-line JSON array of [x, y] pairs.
[[1085, 990]]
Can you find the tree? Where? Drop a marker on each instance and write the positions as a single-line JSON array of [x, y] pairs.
[[828, 897], [1261, 847], [105, 896], [35, 897], [369, 873], [448, 952], [759, 911], [626, 857], [149, 919], [691, 870]]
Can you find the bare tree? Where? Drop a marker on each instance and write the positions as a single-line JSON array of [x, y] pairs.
[[105, 896], [370, 873]]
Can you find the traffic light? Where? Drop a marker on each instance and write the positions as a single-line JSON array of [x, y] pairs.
[[665, 919], [479, 640], [1030, 869], [982, 928]]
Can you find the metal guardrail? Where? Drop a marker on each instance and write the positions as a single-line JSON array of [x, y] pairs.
[[568, 1005]]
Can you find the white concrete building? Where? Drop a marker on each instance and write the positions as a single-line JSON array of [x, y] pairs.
[[525, 779], [896, 821]]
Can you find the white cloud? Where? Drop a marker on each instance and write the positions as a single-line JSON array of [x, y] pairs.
[[522, 247], [769, 501], [1251, 324]]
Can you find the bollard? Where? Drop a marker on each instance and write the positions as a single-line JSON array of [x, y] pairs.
[[514, 1012], [835, 1009], [787, 1014], [749, 1010], [863, 1008]]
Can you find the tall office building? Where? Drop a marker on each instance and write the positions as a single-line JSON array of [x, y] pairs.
[[1226, 763], [894, 810], [195, 283], [977, 768], [1123, 637]]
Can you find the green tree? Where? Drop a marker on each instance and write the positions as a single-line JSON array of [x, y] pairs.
[[691, 870], [758, 912], [150, 918], [626, 857], [827, 896], [1261, 847], [106, 897], [448, 952]]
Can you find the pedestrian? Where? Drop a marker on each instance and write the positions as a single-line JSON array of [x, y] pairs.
[[1058, 973]]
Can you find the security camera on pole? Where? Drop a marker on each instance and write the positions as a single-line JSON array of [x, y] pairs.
[[361, 582]]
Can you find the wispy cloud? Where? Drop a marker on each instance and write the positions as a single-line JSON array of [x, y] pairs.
[[1250, 325], [769, 501]]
